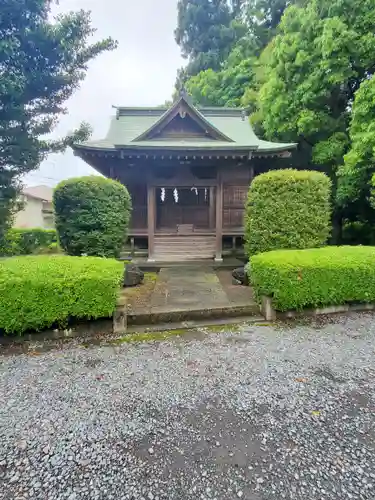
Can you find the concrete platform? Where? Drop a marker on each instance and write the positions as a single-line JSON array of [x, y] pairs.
[[194, 292]]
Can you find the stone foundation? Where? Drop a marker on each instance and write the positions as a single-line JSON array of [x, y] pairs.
[[270, 314]]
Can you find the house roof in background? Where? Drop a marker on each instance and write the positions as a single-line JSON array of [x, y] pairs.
[[41, 192]]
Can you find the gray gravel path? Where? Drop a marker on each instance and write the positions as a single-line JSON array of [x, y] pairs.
[[263, 413]]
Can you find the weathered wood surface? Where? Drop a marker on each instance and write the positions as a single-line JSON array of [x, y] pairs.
[[183, 247]]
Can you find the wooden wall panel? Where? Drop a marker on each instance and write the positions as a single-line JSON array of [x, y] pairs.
[[237, 173], [138, 193], [233, 218], [198, 216], [235, 196], [236, 182]]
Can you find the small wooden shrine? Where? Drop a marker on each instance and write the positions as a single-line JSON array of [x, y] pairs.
[[188, 171]]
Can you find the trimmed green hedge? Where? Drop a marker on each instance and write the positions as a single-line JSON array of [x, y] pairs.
[[316, 277], [43, 291], [287, 209], [28, 241], [92, 216]]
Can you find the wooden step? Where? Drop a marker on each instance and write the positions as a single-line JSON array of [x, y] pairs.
[[172, 248], [184, 241], [185, 245], [182, 248], [182, 251], [179, 242], [183, 258]]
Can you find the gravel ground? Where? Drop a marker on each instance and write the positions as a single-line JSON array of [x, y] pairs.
[[262, 413]]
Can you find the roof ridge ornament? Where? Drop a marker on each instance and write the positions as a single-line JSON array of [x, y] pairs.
[[117, 111], [185, 95]]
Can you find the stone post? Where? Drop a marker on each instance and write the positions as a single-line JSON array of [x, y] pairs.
[[120, 317], [267, 309]]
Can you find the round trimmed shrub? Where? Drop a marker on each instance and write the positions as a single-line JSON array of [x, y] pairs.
[[287, 209], [92, 216]]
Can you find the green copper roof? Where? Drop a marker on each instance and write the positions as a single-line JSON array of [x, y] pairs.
[[231, 124]]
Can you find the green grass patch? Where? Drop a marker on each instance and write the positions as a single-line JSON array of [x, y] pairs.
[[44, 291], [297, 279]]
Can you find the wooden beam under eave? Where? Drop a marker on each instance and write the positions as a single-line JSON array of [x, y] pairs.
[[278, 154]]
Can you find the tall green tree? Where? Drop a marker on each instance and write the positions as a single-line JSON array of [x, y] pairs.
[[206, 32], [323, 52], [42, 62], [263, 17], [318, 61], [354, 182], [221, 88], [234, 83]]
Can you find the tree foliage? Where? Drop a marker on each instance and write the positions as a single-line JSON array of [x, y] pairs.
[[304, 69], [263, 17], [42, 62], [359, 162], [229, 83], [206, 31], [319, 59], [323, 52], [221, 88]]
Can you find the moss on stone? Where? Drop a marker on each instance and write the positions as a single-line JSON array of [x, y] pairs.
[[150, 336], [191, 332], [151, 277], [222, 328]]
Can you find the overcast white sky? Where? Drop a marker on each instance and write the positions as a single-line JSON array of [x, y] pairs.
[[140, 72]]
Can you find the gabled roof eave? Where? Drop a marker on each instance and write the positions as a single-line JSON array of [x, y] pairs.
[[211, 149], [278, 147], [193, 110]]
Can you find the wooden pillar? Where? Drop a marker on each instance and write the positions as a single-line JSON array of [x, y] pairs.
[[234, 245], [151, 221], [219, 220], [251, 174], [212, 222]]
